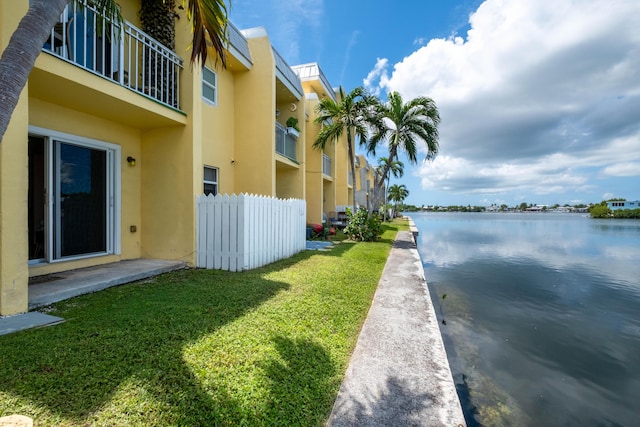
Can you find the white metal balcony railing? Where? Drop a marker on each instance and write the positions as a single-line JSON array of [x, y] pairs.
[[127, 56], [350, 178], [285, 143], [326, 165]]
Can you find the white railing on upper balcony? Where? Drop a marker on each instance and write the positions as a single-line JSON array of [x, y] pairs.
[[326, 165], [285, 142], [127, 56]]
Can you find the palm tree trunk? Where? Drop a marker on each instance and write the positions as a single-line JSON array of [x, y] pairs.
[[21, 53], [386, 195], [393, 154], [352, 160]]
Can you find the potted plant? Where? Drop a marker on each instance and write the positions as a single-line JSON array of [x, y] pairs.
[[292, 126]]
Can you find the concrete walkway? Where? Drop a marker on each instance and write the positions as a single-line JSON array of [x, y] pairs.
[[399, 374]]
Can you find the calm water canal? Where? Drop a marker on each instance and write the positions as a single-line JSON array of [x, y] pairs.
[[542, 315]]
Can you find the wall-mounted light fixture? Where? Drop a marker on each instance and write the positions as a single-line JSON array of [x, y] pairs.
[[131, 161]]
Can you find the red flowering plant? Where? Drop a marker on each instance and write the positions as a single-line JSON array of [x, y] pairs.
[[318, 231]]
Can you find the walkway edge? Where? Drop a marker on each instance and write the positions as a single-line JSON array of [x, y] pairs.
[[399, 374]]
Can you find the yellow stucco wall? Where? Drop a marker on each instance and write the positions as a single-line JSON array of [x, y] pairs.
[[129, 10], [313, 165], [218, 132], [13, 188], [171, 170], [289, 183], [255, 122]]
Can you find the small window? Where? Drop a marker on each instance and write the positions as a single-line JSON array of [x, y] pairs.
[[210, 86], [210, 181]]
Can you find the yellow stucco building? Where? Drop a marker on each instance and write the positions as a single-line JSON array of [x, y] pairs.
[[114, 136]]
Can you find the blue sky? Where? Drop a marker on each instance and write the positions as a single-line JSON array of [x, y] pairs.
[[539, 99]]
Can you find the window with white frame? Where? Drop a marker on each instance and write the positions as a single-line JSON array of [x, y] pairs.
[[210, 86], [210, 181]]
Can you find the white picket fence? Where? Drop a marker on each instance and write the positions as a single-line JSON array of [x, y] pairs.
[[243, 232]]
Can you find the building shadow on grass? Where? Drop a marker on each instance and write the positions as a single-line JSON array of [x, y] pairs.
[[396, 404], [302, 383], [126, 343]]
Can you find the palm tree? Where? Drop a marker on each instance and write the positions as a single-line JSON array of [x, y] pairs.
[[402, 125], [395, 168], [397, 194], [350, 114], [208, 17]]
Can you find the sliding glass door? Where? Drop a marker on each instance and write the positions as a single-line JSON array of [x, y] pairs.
[[80, 200], [72, 186]]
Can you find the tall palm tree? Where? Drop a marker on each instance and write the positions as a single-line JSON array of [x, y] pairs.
[[402, 125], [350, 114], [208, 17], [397, 194], [395, 168]]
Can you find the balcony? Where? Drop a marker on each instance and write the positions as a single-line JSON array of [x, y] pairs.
[[285, 143], [239, 58], [326, 166], [312, 74], [287, 81], [127, 56]]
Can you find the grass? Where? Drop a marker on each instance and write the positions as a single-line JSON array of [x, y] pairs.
[[200, 347]]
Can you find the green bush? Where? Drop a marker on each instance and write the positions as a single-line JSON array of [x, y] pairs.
[[363, 227], [627, 213], [600, 211]]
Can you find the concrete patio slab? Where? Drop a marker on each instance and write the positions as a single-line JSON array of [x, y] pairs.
[[24, 321], [318, 245], [68, 284]]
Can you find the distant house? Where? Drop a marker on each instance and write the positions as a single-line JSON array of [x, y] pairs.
[[563, 209], [619, 205]]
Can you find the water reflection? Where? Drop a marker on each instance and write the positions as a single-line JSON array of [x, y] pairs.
[[541, 309]]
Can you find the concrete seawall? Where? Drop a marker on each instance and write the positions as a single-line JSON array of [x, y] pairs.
[[399, 374]]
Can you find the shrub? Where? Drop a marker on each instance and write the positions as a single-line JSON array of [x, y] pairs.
[[363, 227], [627, 213], [315, 231], [292, 122], [600, 211]]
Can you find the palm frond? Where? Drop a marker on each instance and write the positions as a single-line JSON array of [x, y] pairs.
[[209, 19]]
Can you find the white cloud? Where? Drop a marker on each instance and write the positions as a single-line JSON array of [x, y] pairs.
[[458, 175], [377, 78], [290, 20], [353, 40], [420, 41], [296, 17], [623, 169], [541, 96]]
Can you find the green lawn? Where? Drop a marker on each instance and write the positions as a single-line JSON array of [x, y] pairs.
[[197, 347]]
